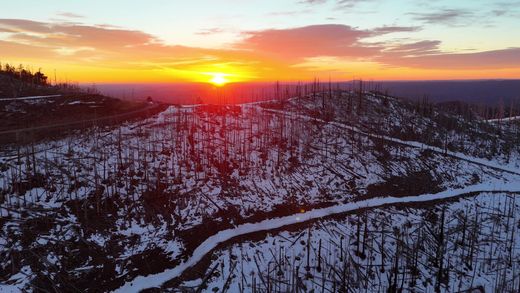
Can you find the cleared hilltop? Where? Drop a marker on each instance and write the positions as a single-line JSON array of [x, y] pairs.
[[31, 108]]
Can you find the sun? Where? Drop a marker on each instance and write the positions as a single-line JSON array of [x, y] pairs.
[[219, 79]]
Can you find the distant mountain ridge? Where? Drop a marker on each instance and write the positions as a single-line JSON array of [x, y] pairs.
[[487, 92], [480, 92]]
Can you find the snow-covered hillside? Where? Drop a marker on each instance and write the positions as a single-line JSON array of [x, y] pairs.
[[115, 207], [451, 247]]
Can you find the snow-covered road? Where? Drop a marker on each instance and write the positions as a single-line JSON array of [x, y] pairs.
[[503, 119], [156, 280], [29, 98], [415, 144]]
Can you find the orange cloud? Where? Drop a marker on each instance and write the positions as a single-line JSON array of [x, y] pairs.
[[496, 59], [108, 54], [309, 41]]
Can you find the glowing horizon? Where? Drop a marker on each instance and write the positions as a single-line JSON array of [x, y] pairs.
[[290, 41]]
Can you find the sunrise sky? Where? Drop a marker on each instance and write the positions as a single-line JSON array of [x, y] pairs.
[[237, 40]]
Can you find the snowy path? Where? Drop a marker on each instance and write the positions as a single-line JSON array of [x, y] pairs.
[[415, 144], [503, 119], [29, 98], [156, 280]]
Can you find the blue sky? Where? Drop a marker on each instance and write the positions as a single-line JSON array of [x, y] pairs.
[[481, 24]]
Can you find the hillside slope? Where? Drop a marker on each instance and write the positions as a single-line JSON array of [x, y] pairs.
[[32, 109], [98, 209]]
